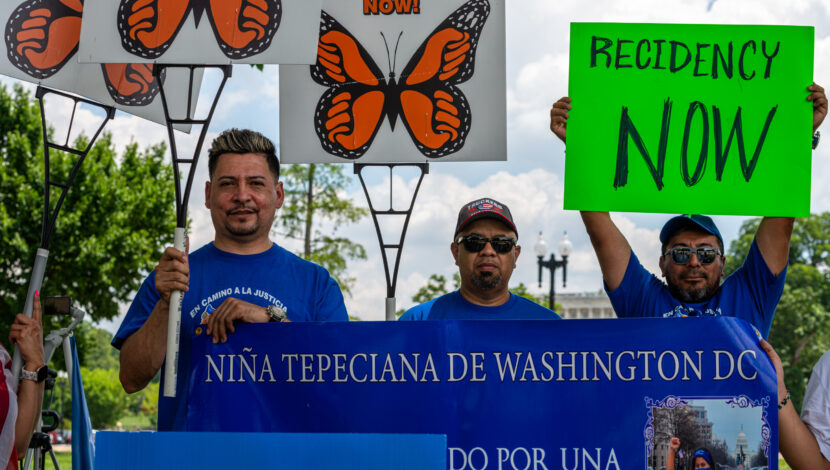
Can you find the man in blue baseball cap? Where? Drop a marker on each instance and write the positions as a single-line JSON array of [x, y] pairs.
[[692, 257], [691, 262]]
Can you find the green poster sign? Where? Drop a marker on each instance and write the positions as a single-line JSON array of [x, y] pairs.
[[679, 118]]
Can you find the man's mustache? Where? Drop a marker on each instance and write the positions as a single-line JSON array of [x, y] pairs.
[[242, 208], [695, 273]]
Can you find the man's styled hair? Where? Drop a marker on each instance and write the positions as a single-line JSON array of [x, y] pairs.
[[241, 141]]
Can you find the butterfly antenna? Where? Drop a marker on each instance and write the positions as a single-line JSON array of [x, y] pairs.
[[388, 60], [395, 63]]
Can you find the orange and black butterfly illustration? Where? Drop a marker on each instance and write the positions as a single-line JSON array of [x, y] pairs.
[[242, 27], [435, 113], [43, 35]]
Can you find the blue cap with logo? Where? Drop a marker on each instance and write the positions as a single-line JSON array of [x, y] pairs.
[[683, 222]]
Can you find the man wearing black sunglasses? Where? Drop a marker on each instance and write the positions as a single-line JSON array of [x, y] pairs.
[[485, 251], [692, 258]]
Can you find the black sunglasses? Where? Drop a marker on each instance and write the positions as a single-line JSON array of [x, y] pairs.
[[476, 243], [682, 254]]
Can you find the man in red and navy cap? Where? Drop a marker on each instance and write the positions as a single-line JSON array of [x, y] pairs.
[[485, 251]]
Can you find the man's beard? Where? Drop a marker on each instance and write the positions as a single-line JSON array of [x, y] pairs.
[[245, 230], [694, 295], [486, 281]]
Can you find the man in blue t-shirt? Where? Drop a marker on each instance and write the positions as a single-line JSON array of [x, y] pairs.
[[485, 251], [242, 276], [691, 259]]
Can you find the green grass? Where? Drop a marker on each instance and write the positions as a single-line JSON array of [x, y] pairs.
[[783, 465], [64, 460], [140, 421]]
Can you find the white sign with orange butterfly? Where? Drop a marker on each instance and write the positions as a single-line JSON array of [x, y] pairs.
[[399, 81], [200, 31], [41, 39]]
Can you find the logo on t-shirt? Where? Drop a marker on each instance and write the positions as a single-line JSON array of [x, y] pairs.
[[682, 311]]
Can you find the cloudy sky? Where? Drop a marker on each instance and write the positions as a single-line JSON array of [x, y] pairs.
[[530, 182]]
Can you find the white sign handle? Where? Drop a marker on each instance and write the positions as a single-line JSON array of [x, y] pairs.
[[174, 323]]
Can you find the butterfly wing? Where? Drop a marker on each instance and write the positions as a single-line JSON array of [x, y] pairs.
[[350, 112], [42, 35], [245, 27], [435, 112], [148, 27], [131, 84]]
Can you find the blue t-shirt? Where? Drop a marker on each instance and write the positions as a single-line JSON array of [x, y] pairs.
[[454, 306], [304, 290], [751, 293]]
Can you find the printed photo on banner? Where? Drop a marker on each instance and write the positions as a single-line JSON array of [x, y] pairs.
[[409, 81], [731, 432], [707, 119], [42, 39], [200, 32]]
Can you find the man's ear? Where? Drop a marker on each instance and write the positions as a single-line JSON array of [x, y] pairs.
[[207, 194], [280, 194], [454, 250], [660, 263], [518, 251]]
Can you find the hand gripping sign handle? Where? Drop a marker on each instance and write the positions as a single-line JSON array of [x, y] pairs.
[[174, 323], [34, 284]]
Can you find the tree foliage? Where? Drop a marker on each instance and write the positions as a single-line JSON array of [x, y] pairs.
[[117, 215], [105, 398], [800, 330], [524, 291], [314, 194], [436, 286], [99, 362], [759, 459]]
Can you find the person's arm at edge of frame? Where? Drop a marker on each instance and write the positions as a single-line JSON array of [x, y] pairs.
[[27, 334], [773, 236], [143, 352], [610, 246], [674, 445], [795, 441]]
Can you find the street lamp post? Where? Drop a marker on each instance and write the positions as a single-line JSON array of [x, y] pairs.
[[552, 264]]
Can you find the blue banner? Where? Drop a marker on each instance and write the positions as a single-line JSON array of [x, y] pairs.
[[83, 444], [208, 450], [593, 394]]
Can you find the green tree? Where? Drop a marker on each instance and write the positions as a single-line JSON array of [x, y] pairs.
[[436, 286], [113, 224], [315, 193], [106, 400], [800, 330], [522, 291], [97, 353]]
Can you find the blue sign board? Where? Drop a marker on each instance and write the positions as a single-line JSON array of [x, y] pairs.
[[605, 394], [209, 450]]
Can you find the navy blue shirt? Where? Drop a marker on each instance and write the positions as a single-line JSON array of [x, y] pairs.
[[453, 306], [751, 292]]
